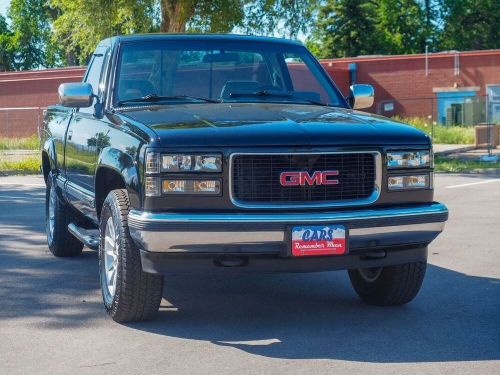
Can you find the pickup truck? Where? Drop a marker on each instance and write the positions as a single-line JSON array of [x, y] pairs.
[[228, 154]]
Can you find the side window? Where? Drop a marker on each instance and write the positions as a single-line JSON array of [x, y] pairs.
[[94, 77]]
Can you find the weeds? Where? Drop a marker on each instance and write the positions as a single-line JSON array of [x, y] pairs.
[[442, 134], [20, 143]]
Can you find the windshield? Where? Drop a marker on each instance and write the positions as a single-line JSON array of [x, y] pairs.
[[229, 71]]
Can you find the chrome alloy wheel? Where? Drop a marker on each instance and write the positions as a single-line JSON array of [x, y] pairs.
[[370, 274], [111, 256], [52, 211]]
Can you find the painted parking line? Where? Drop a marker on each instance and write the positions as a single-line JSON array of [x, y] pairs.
[[473, 183], [19, 197], [20, 184]]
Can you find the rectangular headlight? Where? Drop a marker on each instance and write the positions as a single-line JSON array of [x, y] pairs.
[[191, 163], [408, 182], [409, 159], [171, 186]]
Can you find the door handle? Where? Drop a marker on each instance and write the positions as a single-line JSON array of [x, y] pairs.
[[70, 134]]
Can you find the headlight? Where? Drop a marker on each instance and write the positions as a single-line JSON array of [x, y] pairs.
[[409, 159], [191, 163], [210, 187], [408, 182]]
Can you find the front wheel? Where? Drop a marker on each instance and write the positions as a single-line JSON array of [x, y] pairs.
[[129, 294], [389, 286]]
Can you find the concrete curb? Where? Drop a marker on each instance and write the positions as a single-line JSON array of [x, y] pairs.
[[455, 150]]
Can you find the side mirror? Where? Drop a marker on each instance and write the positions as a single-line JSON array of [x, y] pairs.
[[76, 95], [362, 96]]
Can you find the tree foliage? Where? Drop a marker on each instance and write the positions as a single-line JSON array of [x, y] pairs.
[[46, 33], [471, 24], [30, 34], [346, 28], [401, 26], [200, 15], [287, 18], [6, 46], [81, 24]]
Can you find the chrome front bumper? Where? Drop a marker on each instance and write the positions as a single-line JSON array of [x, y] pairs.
[[268, 233]]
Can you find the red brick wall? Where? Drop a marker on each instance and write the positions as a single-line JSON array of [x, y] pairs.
[[30, 90], [398, 79], [402, 79]]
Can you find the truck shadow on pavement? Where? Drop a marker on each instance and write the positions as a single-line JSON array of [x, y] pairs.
[[317, 316], [35, 286], [456, 317]]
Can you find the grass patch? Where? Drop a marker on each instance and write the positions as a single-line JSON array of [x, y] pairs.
[[449, 165], [29, 165], [461, 135], [20, 143]]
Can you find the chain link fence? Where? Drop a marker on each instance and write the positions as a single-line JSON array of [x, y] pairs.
[[20, 122], [446, 109]]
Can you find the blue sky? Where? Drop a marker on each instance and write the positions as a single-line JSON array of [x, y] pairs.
[[3, 6]]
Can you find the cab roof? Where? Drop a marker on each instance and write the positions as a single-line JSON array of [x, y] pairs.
[[196, 37]]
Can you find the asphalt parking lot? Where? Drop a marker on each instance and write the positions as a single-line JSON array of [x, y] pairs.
[[52, 320]]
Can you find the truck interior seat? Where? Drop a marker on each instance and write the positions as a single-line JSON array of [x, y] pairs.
[[133, 88]]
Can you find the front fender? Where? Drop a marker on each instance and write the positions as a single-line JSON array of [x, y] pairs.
[[49, 149], [122, 163]]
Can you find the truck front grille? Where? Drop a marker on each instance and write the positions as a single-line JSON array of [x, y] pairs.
[[255, 179]]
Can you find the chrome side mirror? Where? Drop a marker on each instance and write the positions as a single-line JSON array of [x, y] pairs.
[[76, 95], [362, 96]]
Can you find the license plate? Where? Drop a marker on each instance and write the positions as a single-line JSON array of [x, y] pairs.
[[319, 240]]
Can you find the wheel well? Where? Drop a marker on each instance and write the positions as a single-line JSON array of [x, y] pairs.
[[45, 166], [106, 180]]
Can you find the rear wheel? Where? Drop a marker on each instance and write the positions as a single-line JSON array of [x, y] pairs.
[[129, 294], [388, 286], [57, 217]]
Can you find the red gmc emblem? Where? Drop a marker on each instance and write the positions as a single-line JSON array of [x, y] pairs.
[[303, 178]]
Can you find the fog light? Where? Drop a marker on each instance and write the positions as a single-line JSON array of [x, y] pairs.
[[208, 186], [421, 181], [174, 186], [396, 182], [408, 182], [191, 187]]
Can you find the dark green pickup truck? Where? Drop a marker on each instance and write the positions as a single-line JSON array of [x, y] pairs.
[[223, 153]]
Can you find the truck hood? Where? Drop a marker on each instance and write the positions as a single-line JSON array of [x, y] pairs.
[[271, 124]]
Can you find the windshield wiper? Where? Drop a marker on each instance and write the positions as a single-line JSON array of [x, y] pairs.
[[276, 94], [151, 98]]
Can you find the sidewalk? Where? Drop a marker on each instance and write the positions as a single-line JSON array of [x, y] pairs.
[[443, 150], [472, 155], [17, 155]]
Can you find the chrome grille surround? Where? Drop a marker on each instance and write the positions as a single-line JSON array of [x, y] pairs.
[[373, 197]]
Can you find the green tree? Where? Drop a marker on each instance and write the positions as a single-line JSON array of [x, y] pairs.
[[471, 24], [286, 18], [30, 26], [179, 16], [346, 28], [80, 24], [402, 26], [6, 46]]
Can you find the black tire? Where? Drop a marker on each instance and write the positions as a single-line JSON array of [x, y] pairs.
[[61, 242], [137, 294], [389, 286]]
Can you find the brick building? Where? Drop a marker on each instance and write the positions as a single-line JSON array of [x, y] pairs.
[[449, 88], [24, 95]]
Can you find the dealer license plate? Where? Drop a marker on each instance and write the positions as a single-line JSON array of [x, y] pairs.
[[319, 240]]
